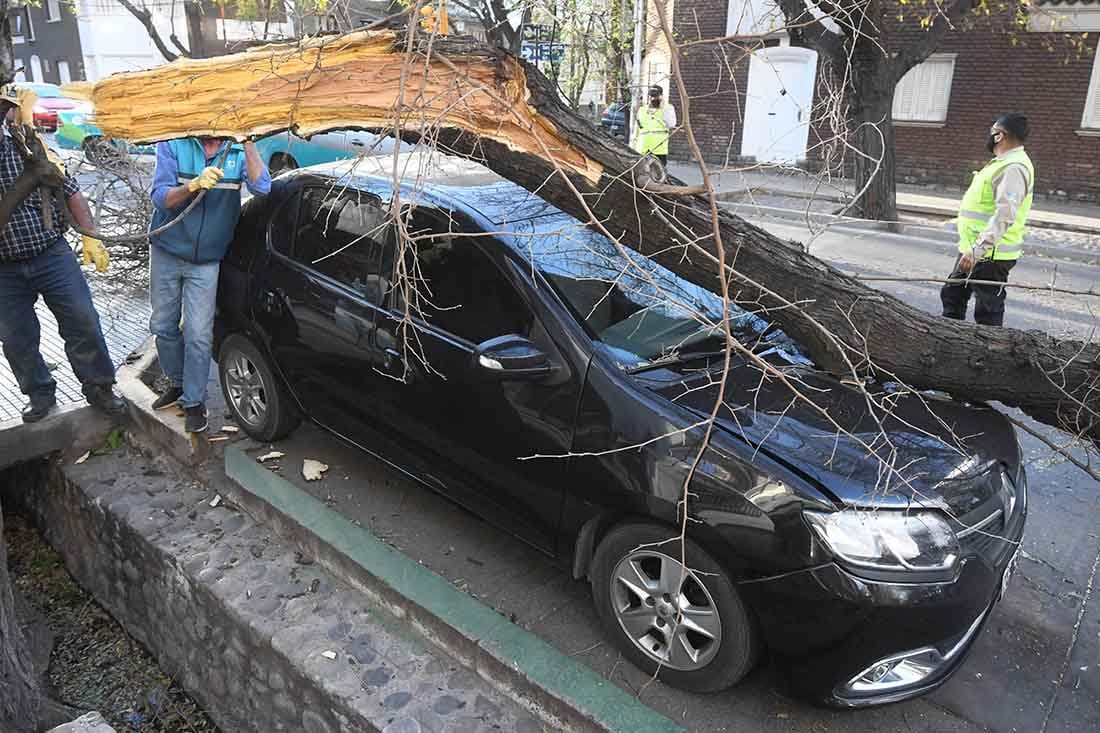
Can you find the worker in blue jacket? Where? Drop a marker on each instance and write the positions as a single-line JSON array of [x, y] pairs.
[[185, 258]]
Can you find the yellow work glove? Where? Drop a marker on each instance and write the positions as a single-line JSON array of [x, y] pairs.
[[94, 251], [205, 180]]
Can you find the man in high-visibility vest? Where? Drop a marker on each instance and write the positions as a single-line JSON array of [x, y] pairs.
[[655, 123], [991, 224]]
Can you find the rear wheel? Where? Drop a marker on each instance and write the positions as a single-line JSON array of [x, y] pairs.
[[282, 162], [686, 625], [259, 402]]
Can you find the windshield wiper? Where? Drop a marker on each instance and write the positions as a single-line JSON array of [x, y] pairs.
[[674, 359]]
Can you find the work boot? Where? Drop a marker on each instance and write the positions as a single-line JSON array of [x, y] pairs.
[[38, 409], [195, 421], [168, 398], [104, 399]]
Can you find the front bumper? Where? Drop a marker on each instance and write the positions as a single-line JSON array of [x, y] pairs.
[[828, 627]]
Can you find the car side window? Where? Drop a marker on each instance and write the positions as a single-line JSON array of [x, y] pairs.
[[281, 227], [346, 234], [458, 288]]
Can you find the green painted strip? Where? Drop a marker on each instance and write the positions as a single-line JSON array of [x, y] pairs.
[[547, 667]]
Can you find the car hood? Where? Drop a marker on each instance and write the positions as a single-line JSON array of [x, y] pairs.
[[929, 452]]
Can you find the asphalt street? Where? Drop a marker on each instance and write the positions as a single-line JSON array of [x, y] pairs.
[[1035, 668]]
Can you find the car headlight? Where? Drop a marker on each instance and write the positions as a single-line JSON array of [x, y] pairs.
[[888, 539]]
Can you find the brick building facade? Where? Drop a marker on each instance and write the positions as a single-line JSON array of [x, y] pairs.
[[1032, 71]]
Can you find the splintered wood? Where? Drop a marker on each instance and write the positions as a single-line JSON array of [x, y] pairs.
[[343, 82]]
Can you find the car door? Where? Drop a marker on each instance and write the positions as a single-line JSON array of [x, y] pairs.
[[319, 293], [486, 431]]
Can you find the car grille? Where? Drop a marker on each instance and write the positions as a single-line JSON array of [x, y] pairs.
[[981, 529]]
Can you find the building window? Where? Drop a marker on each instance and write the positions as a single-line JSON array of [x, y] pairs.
[[923, 93], [22, 30], [63, 72], [53, 11], [36, 69]]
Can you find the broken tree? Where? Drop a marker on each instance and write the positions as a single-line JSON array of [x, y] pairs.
[[486, 104]]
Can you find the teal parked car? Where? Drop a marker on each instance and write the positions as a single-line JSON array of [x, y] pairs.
[[286, 151], [75, 131]]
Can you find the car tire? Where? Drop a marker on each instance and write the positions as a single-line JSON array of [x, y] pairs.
[[260, 403], [281, 162], [718, 662]]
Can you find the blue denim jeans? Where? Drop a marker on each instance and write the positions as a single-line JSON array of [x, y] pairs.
[[183, 296], [56, 276]]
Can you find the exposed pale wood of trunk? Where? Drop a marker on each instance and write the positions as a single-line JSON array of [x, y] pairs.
[[486, 104]]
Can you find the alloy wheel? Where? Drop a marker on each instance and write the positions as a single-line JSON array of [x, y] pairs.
[[247, 392], [665, 610]]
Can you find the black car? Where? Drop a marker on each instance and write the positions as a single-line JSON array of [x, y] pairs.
[[614, 118], [519, 336]]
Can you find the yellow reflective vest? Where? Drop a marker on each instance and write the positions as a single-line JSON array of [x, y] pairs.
[[653, 132], [978, 206]]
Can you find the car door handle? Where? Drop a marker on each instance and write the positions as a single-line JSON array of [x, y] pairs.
[[393, 355], [357, 143], [273, 300]]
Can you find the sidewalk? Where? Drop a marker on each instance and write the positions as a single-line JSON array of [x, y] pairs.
[[740, 184]]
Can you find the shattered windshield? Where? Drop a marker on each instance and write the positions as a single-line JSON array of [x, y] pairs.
[[640, 312]]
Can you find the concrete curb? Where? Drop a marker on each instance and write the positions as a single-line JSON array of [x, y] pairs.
[[72, 427], [1037, 219], [514, 660], [943, 239], [163, 429]]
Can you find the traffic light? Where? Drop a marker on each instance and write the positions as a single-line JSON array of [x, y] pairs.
[[434, 21]]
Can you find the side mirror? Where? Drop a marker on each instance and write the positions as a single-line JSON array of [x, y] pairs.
[[511, 357]]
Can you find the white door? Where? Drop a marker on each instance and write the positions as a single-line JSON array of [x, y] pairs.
[[63, 72], [36, 68], [778, 104]]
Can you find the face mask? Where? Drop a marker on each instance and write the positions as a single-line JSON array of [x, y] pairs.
[[991, 142]]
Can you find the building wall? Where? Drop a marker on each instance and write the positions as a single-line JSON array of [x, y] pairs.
[[715, 76], [993, 74], [53, 41], [113, 40]]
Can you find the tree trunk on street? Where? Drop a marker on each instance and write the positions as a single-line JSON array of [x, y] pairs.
[[490, 106], [874, 160], [871, 100]]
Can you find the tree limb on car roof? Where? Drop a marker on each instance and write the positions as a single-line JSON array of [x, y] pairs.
[[484, 103]]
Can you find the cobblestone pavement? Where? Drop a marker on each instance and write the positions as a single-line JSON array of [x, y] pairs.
[[124, 317]]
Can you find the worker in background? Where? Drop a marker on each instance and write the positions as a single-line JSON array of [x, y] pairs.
[[654, 125], [991, 224], [185, 259], [35, 260]]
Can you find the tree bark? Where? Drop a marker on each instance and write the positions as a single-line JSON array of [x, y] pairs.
[[486, 104], [871, 98], [874, 168]]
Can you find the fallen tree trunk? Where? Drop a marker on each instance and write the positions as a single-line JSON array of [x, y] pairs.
[[488, 105]]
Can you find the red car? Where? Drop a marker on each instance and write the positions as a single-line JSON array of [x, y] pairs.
[[50, 100]]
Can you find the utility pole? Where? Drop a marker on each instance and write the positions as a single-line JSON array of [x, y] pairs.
[[636, 75]]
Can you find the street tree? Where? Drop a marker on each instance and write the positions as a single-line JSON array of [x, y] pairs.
[[484, 103]]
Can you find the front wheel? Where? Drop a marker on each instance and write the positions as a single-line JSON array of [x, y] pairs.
[[686, 625], [259, 402]]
